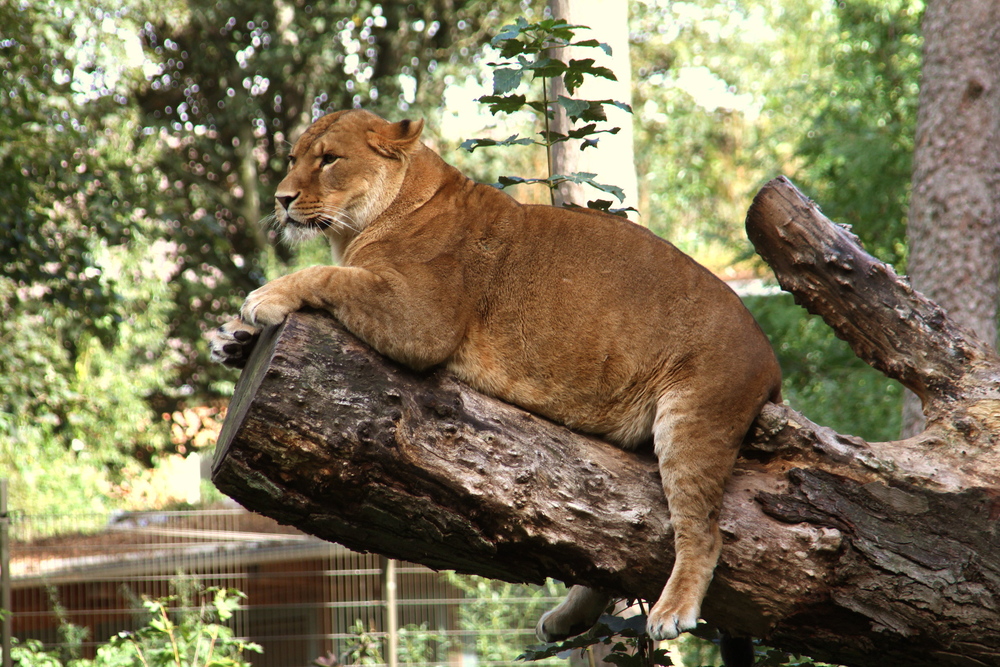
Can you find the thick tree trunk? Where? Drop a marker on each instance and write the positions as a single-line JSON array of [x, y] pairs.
[[853, 552], [954, 219]]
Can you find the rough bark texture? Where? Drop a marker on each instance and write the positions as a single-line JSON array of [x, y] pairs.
[[853, 552], [954, 218]]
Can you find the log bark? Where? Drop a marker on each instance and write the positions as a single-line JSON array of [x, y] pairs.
[[852, 552]]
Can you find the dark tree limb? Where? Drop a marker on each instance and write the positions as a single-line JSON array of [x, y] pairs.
[[854, 552], [888, 325]]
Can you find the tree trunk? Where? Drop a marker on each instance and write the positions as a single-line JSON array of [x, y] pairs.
[[852, 552], [954, 218], [614, 163]]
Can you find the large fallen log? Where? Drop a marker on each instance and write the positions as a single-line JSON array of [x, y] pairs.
[[852, 552]]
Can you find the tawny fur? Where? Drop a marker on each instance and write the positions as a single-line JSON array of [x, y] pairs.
[[581, 317]]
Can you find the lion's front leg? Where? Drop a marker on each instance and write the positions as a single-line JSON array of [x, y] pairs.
[[232, 343], [272, 303]]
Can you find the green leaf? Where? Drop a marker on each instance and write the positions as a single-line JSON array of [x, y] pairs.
[[572, 79], [585, 131], [513, 140], [539, 107], [552, 137], [509, 32], [661, 657], [621, 105], [633, 626], [594, 43], [545, 66], [227, 602], [587, 178], [586, 66], [574, 108], [623, 659], [506, 181], [505, 103], [505, 79]]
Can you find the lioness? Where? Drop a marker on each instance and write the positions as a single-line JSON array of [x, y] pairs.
[[579, 316]]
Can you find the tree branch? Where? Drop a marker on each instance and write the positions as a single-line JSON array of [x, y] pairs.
[[853, 552], [888, 325]]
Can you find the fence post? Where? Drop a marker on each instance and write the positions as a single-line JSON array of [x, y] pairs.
[[5, 605], [391, 612]]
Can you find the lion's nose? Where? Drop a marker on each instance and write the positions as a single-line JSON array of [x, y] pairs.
[[286, 200]]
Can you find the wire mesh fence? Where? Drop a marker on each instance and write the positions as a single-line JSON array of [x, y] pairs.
[[81, 579]]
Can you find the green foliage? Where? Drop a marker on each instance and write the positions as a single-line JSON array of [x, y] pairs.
[[73, 421], [84, 284], [858, 150], [32, 653], [717, 91], [823, 378], [488, 611], [527, 52], [419, 644], [65, 169], [363, 647], [195, 638], [769, 657], [728, 97], [629, 644], [138, 141], [416, 644], [173, 637]]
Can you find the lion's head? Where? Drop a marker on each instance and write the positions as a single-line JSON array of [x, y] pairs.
[[342, 174]]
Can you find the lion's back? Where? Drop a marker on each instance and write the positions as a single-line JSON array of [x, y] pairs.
[[588, 319]]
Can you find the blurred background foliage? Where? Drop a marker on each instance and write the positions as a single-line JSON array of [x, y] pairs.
[[140, 143]]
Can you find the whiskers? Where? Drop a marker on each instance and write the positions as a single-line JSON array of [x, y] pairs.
[[336, 218], [323, 219], [270, 221]]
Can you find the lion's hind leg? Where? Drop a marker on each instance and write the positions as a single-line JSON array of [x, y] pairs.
[[696, 443], [576, 614]]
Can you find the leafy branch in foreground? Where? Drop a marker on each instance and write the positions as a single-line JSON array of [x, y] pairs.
[[526, 50], [630, 645], [173, 637]]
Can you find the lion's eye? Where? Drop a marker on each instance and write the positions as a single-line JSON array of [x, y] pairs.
[[291, 162], [328, 158]]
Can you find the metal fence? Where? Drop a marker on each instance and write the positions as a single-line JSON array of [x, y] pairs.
[[307, 598]]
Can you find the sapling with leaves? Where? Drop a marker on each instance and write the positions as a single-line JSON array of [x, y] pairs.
[[626, 638], [526, 56]]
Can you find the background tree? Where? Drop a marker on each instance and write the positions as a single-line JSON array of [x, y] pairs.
[[85, 285], [235, 83], [137, 146], [954, 220], [726, 97], [615, 161], [132, 208]]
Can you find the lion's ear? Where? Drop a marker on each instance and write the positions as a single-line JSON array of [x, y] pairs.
[[395, 139]]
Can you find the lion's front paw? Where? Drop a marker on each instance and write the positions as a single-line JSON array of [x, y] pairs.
[[269, 305], [232, 343]]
